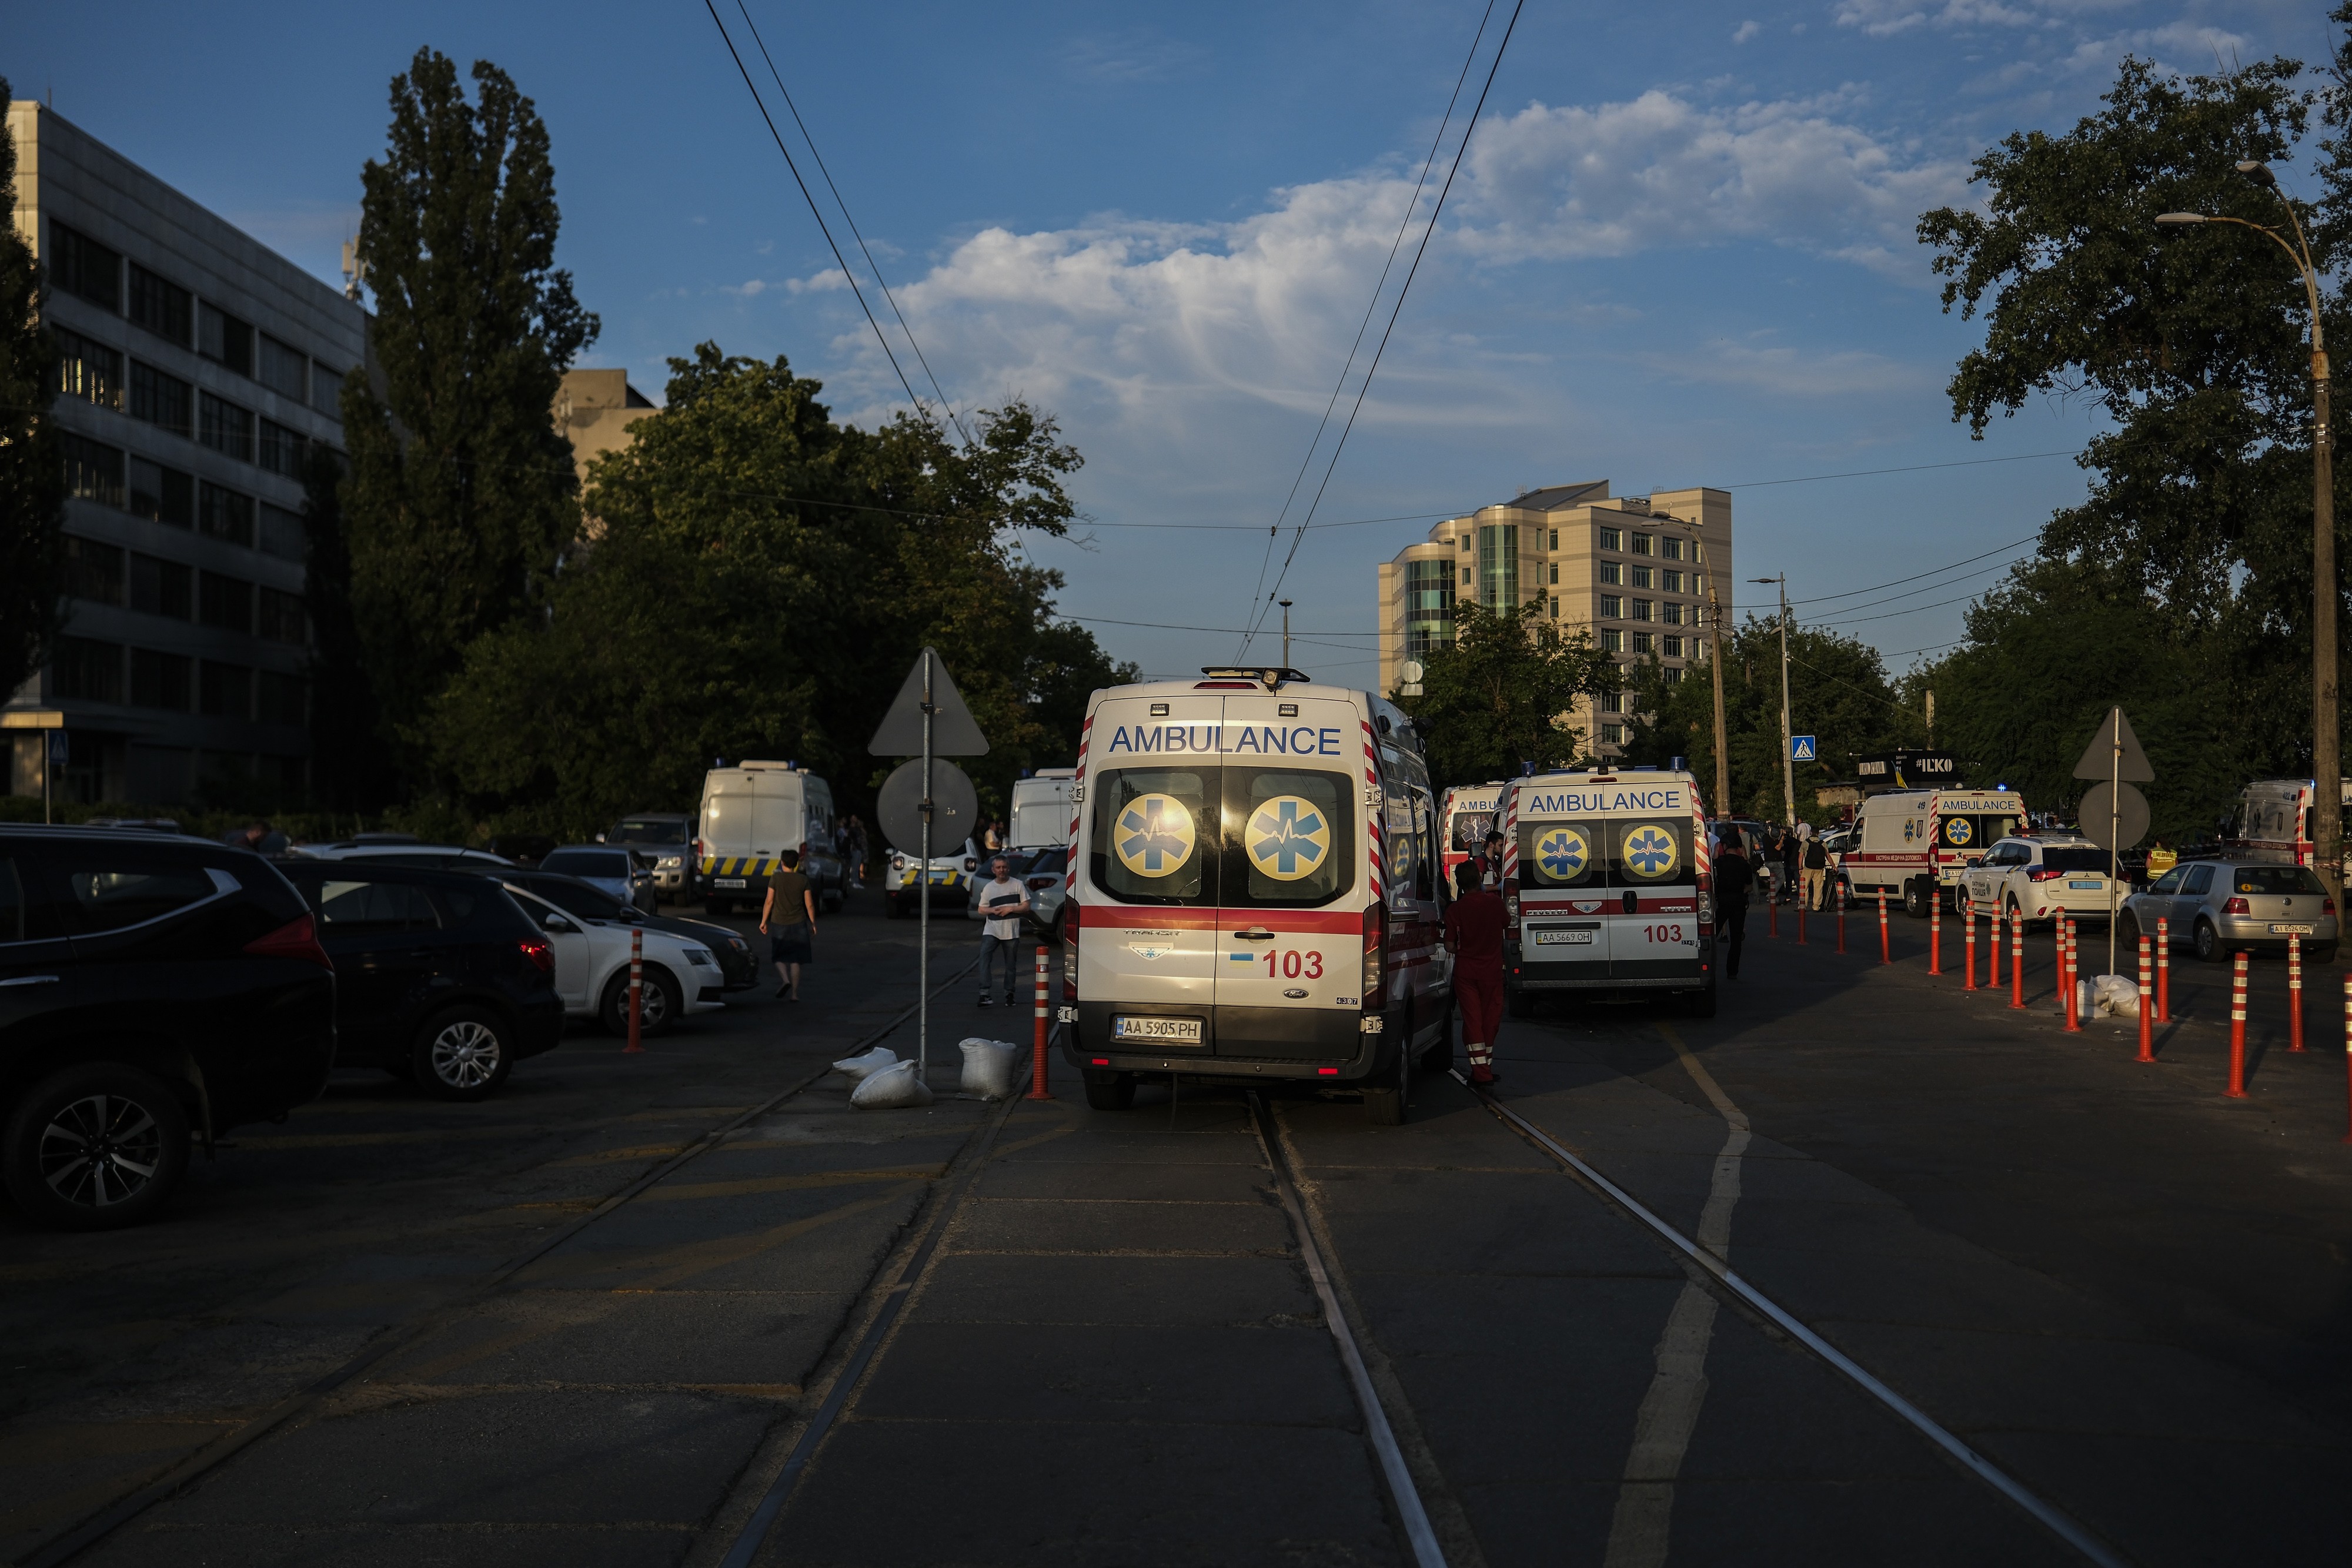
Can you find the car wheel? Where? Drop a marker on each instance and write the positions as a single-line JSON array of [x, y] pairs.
[[2127, 932], [662, 1004], [2206, 942], [95, 1147], [1386, 1105], [1111, 1090], [462, 1054]]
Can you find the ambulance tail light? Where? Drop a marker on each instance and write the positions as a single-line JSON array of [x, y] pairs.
[[1706, 898], [1376, 935], [1073, 916], [1511, 908]]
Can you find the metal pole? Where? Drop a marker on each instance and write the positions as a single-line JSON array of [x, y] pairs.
[[2326, 741], [1787, 730], [2115, 826], [48, 766], [1285, 632], [1722, 747], [923, 900]]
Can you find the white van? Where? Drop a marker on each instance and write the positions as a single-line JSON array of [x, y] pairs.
[[1253, 891], [1608, 884], [1041, 809], [751, 813], [1919, 845]]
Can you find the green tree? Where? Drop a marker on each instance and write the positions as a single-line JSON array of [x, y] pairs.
[[1500, 694], [461, 494], [352, 766], [32, 474]]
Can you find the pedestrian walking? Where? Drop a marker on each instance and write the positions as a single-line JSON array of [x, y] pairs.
[[1791, 846], [1817, 868], [787, 919], [858, 850], [1490, 864], [1003, 902], [1474, 935], [1733, 877]]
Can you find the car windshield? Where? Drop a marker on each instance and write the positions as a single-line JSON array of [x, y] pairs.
[[588, 863], [646, 831], [2076, 857], [578, 898], [2276, 879]]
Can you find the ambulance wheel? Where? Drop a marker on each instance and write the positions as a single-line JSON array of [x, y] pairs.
[[1521, 1004], [1385, 1106], [1701, 1003], [1916, 895], [1438, 1056], [1111, 1090]]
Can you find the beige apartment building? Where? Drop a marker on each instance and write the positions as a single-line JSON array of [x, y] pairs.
[[593, 411], [1634, 570]]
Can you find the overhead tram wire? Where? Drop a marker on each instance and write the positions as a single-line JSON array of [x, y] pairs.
[[1460, 153], [814, 211], [954, 418], [1370, 305]]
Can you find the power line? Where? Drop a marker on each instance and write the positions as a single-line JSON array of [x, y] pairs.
[[878, 281], [1927, 587], [1937, 571], [814, 211], [1460, 153]]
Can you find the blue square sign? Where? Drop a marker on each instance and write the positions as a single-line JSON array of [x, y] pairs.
[[1800, 748]]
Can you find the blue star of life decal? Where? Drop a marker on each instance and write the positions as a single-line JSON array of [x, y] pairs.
[[1153, 835], [1562, 854], [1288, 838], [1650, 852]]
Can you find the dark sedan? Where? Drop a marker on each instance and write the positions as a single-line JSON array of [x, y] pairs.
[[568, 893]]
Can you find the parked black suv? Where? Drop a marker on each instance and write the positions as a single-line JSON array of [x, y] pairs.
[[152, 989], [443, 978], [568, 893]]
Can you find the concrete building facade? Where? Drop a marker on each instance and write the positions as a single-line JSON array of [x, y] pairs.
[[593, 411], [1632, 571], [196, 370]]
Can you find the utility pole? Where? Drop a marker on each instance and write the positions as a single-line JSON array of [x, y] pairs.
[[1788, 731], [1722, 745], [1285, 632]]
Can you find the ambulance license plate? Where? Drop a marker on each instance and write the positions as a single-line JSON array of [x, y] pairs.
[[2279, 930], [1186, 1030], [1563, 938], [2085, 886], [728, 882]]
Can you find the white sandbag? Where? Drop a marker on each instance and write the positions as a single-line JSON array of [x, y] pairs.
[[892, 1089], [2116, 997], [862, 1067], [992, 1068]]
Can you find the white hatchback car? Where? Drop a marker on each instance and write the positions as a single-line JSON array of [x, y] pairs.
[[2040, 878], [682, 977]]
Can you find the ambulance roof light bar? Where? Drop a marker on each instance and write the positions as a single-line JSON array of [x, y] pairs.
[[1272, 679]]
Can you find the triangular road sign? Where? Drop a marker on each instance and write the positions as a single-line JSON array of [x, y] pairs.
[[954, 732], [2099, 759]]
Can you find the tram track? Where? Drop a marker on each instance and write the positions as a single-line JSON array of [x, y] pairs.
[[94, 1526]]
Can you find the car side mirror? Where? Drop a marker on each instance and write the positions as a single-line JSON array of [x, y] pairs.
[[552, 921]]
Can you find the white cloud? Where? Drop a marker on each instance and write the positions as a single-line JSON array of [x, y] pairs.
[[1747, 30], [1793, 372]]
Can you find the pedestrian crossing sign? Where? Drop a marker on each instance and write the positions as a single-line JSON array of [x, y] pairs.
[[1800, 748]]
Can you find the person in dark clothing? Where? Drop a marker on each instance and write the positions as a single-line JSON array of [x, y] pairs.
[[1490, 864], [1817, 872], [1474, 935], [1733, 877], [1791, 847]]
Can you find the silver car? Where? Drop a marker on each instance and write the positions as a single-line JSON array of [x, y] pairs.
[[613, 870], [2220, 907]]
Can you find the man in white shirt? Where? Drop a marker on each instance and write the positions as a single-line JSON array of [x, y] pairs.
[[1005, 901]]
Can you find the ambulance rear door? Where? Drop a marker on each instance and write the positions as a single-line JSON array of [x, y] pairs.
[[1652, 908], [1563, 859]]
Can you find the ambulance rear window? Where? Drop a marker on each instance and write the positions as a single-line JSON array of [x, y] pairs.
[[1238, 836], [1293, 836], [1638, 851], [1155, 835], [1470, 830]]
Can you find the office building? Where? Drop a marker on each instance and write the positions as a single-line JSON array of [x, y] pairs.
[[593, 411], [196, 369], [1632, 571]]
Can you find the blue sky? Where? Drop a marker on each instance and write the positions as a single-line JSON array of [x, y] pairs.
[[1679, 251]]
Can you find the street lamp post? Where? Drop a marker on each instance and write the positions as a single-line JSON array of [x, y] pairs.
[[1788, 731], [2326, 741]]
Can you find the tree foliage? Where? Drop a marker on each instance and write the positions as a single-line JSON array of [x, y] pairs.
[[461, 494], [1500, 693], [32, 482], [760, 581]]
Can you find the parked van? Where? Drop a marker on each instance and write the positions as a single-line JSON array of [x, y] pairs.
[[1254, 892], [2270, 820], [1471, 811], [1917, 844], [1041, 809], [751, 813], [1607, 881]]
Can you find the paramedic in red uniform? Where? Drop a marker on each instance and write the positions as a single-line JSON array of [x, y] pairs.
[[1474, 935]]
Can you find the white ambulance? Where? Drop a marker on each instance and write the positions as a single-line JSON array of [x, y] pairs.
[[1608, 884], [1917, 844], [1253, 891], [2270, 820], [1470, 811]]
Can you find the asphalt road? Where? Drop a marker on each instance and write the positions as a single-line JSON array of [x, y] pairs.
[[1031, 1334]]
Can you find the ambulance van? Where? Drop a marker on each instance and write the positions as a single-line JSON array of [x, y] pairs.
[[1917, 844], [1471, 811], [1607, 886], [1252, 892]]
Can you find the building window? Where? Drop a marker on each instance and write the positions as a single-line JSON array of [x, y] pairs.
[[1671, 547], [1499, 564], [221, 336], [163, 494], [223, 426], [162, 400], [1467, 576], [1613, 641], [1643, 544], [1466, 541], [1672, 581], [284, 699], [1613, 735], [82, 266], [1611, 538], [225, 602], [1613, 572], [93, 471], [1643, 610], [1612, 702], [159, 680], [1673, 648], [1428, 606], [327, 391], [283, 450], [1612, 605], [1641, 577], [93, 571], [282, 534], [1671, 614], [1673, 674], [1555, 607], [1554, 543], [283, 618], [1698, 647], [1644, 643], [224, 514], [161, 587], [1555, 574], [88, 371], [85, 670], [160, 306], [281, 370], [226, 690]]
